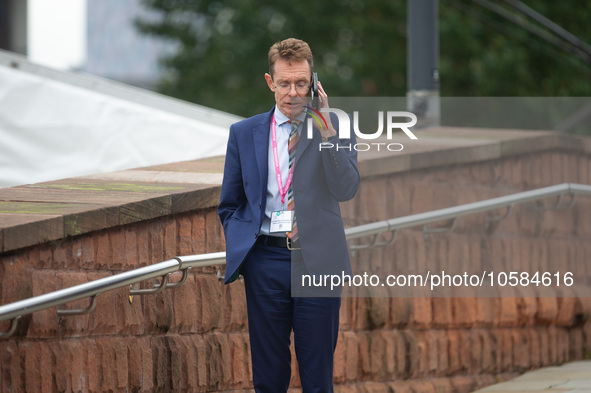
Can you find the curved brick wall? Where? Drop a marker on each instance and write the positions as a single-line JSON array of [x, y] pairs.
[[194, 338]]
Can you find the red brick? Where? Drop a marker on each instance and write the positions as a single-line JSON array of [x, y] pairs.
[[442, 312], [198, 234], [161, 357], [76, 364], [464, 311], [420, 317], [177, 367], [374, 203], [428, 352], [576, 344], [240, 357], [219, 343], [184, 235], [132, 251], [422, 198], [544, 343], [566, 310], [442, 353], [115, 249], [31, 354], [454, 349], [105, 319], [504, 340], [233, 315], [521, 355], [13, 377], [507, 312], [379, 311], [209, 302], [547, 310], [129, 316], [170, 239], [364, 354], [360, 313], [527, 307], [157, 311], [389, 357], [535, 352], [584, 173], [103, 247], [187, 358], [563, 345], [139, 363], [401, 360], [142, 240], [345, 313], [352, 350], [486, 309], [88, 257], [44, 323], [340, 360], [412, 354], [155, 244], [214, 232], [15, 279], [59, 363], [184, 304], [377, 355]]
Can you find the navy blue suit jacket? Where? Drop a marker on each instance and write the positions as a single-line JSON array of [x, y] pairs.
[[322, 179]]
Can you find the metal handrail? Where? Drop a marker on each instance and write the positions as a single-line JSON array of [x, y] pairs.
[[16, 310]]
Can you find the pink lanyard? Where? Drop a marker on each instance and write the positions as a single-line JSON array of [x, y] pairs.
[[282, 190]]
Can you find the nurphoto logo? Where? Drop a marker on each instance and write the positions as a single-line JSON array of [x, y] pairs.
[[388, 117]]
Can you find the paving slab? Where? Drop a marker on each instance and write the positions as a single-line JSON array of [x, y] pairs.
[[572, 377]]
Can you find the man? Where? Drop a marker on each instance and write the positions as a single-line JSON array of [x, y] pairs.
[[270, 242]]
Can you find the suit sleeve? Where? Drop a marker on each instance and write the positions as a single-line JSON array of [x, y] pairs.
[[340, 167], [232, 194]]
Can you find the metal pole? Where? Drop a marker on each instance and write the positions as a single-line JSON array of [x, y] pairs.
[[423, 61]]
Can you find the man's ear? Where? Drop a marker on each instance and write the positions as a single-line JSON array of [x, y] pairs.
[[269, 79]]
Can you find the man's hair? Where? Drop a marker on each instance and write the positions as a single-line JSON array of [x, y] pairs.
[[290, 49]]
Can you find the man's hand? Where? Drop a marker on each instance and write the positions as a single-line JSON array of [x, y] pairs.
[[328, 132]]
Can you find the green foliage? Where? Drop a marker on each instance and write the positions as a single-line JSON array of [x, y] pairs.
[[360, 49]]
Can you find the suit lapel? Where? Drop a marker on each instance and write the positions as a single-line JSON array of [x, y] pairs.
[[261, 147], [304, 142]]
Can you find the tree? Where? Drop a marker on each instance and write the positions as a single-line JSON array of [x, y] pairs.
[[360, 49]]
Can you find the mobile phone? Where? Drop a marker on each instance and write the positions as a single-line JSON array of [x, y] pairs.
[[314, 90]]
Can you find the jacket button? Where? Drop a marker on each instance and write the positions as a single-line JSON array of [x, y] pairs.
[[259, 205]]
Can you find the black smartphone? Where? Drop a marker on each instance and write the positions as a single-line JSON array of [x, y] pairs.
[[314, 90]]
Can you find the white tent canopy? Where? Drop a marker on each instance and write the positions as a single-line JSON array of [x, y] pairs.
[[56, 124]]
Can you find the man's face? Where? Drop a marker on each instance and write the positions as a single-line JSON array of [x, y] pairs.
[[290, 102]]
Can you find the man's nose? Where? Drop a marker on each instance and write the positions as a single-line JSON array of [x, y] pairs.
[[293, 92]]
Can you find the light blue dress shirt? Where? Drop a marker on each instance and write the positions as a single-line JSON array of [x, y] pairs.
[[283, 129]]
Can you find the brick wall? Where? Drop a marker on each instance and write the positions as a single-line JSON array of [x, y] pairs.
[[195, 339]]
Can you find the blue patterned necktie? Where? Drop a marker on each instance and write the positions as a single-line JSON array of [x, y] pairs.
[[294, 137]]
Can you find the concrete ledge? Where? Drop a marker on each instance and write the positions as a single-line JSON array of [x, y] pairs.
[[451, 146], [37, 213]]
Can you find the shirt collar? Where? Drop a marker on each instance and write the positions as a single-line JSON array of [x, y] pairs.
[[281, 119]]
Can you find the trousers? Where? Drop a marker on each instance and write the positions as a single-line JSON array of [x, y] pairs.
[[273, 314]]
